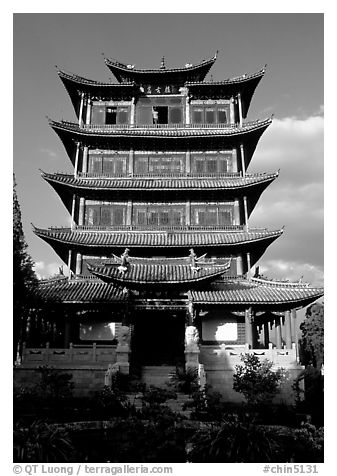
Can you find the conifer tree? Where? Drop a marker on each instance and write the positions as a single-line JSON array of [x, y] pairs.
[[24, 278], [312, 342]]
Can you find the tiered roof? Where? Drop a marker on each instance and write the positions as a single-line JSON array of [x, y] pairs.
[[169, 137], [127, 73], [100, 187], [239, 291]]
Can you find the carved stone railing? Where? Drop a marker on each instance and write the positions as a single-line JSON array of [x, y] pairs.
[[78, 355]]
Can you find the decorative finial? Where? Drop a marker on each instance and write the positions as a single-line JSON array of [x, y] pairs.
[[162, 65]]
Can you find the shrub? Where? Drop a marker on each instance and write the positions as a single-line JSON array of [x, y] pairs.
[[185, 381], [256, 380], [235, 440], [42, 443]]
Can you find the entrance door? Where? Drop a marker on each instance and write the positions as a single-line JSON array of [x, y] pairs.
[[158, 338]]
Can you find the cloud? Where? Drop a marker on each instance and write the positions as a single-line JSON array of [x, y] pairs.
[[45, 270], [49, 153], [295, 198], [293, 271]]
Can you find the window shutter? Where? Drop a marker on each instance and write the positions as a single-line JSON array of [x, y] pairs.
[[175, 115], [122, 115], [105, 216], [222, 116], [98, 115], [118, 216]]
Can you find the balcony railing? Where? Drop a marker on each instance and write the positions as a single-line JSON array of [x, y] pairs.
[[160, 228], [161, 126], [192, 175]]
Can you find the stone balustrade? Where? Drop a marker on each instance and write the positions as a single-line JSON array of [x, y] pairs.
[[77, 355]]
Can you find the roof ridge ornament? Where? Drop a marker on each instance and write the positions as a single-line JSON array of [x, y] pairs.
[[162, 64], [124, 261]]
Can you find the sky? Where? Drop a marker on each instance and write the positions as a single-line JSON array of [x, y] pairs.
[[292, 89]]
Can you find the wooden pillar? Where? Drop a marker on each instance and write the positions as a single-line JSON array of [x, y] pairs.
[[249, 274], [266, 334], [255, 334], [188, 162], [80, 115], [294, 327], [248, 328], [245, 208], [237, 220], [239, 265], [78, 263], [69, 263], [188, 213], [81, 212], [132, 112], [73, 212], [287, 328], [278, 333], [187, 111], [129, 213], [88, 112], [243, 164], [131, 163], [240, 109], [76, 159], [231, 111], [85, 160]]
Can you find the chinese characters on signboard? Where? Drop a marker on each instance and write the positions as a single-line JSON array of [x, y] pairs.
[[160, 89]]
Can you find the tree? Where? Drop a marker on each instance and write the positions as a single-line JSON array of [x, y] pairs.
[[256, 380], [24, 278], [312, 342]]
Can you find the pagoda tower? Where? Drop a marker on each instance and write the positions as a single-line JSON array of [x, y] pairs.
[[160, 250]]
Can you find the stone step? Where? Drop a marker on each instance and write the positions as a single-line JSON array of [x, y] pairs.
[[157, 375]]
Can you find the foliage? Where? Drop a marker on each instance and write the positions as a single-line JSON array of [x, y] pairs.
[[206, 405], [24, 278], [185, 380], [310, 400], [111, 401], [54, 384], [156, 395], [312, 342], [309, 444], [42, 443], [135, 440], [256, 380], [235, 440]]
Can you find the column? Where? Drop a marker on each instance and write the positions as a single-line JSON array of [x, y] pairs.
[[132, 111], [231, 111], [245, 208], [236, 212], [88, 114], [187, 111], [278, 333], [76, 159], [255, 335], [188, 163], [131, 163], [85, 160], [78, 263], [80, 115], [69, 263], [266, 334], [188, 213], [192, 350], [81, 212], [129, 213], [248, 328], [249, 274], [239, 265], [243, 165], [240, 109], [73, 212], [294, 327], [287, 326]]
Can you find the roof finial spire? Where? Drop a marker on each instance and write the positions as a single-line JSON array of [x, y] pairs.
[[162, 65]]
